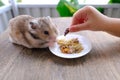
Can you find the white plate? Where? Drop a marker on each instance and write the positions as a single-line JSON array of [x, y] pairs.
[[84, 41]]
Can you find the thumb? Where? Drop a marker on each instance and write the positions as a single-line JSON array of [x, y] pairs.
[[78, 27]]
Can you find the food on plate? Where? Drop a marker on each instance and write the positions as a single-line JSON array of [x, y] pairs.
[[69, 46]]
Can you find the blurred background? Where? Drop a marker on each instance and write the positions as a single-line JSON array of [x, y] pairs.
[[53, 8], [56, 1]]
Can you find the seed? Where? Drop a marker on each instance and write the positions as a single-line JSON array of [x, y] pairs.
[[66, 31]]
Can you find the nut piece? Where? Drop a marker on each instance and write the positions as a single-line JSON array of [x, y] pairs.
[[66, 31]]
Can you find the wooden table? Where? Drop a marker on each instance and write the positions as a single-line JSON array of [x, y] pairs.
[[102, 62]]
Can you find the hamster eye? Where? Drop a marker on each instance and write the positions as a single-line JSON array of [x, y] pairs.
[[46, 32], [32, 25]]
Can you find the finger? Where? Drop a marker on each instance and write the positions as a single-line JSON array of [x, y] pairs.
[[79, 17], [78, 27]]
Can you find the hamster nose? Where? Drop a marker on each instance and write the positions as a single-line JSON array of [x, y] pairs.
[[53, 38]]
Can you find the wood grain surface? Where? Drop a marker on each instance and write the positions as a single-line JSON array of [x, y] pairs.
[[102, 62]]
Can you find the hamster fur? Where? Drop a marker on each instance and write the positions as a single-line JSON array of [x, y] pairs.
[[32, 32]]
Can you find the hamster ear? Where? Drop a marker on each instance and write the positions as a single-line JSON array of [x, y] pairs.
[[49, 18], [32, 25]]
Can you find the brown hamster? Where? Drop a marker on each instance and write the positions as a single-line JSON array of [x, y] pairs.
[[32, 32]]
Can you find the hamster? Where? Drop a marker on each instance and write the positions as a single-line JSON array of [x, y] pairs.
[[32, 32]]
